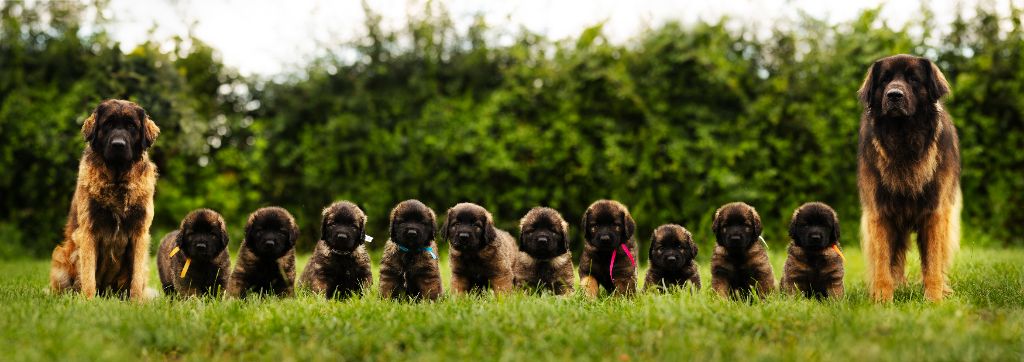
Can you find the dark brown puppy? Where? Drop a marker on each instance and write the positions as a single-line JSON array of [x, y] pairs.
[[106, 238], [409, 265], [193, 260], [340, 265], [814, 267], [673, 257], [740, 261], [544, 260], [608, 230], [482, 256], [908, 174], [266, 259]]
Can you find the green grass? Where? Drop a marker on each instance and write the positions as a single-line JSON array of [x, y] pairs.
[[983, 320]]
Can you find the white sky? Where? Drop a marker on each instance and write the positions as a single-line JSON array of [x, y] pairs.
[[268, 37]]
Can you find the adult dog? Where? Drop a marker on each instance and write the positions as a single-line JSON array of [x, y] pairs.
[[106, 238], [908, 174]]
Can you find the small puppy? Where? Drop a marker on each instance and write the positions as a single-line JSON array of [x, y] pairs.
[[607, 259], [409, 265], [815, 263], [740, 260], [193, 260], [266, 259], [544, 260], [482, 256], [673, 259], [340, 265]]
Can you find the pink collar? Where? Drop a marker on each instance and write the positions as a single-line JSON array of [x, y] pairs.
[[611, 265]]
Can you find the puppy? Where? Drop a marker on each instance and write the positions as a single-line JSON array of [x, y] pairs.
[[340, 265], [815, 263], [740, 260], [673, 257], [266, 259], [607, 259], [193, 260], [482, 256], [544, 260], [409, 265]]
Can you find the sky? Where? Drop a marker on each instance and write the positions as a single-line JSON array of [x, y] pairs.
[[266, 37]]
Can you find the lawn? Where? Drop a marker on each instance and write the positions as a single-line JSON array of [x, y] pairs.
[[983, 320]]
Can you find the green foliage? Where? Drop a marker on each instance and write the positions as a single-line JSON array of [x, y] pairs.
[[674, 122]]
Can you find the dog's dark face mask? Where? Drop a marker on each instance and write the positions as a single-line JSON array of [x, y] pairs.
[[544, 238], [814, 228], [120, 132], [672, 250], [412, 227], [737, 228], [271, 235], [342, 234], [202, 240], [469, 228], [901, 86]]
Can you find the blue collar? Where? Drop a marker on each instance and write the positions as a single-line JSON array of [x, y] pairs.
[[427, 249]]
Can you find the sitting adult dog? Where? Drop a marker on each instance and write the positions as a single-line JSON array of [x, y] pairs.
[[266, 258], [740, 260], [194, 260], [106, 238], [481, 255], [409, 266], [814, 267], [908, 174], [607, 259], [544, 260], [340, 265], [673, 258]]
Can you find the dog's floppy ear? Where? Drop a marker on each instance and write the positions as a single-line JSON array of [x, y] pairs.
[[293, 232], [792, 224], [490, 232], [835, 228], [447, 223], [431, 223], [629, 225], [866, 94], [692, 247], [650, 251], [565, 236], [222, 233], [585, 224], [756, 219], [89, 127], [716, 221], [938, 87], [149, 129], [362, 226], [324, 216]]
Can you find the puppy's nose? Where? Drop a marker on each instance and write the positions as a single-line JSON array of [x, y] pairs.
[[816, 236], [412, 233], [270, 242], [463, 236], [342, 237], [894, 94], [672, 258], [201, 246], [734, 237], [542, 239], [119, 143], [605, 238]]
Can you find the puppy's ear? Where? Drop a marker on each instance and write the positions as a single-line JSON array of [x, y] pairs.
[[362, 227], [756, 218], [629, 225], [149, 129], [692, 247], [935, 81], [222, 234], [716, 222], [585, 224], [431, 224], [293, 233], [835, 228], [654, 244], [867, 91], [447, 224], [324, 218], [564, 246], [792, 225], [490, 232]]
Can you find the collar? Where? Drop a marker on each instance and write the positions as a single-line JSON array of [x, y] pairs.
[[428, 249]]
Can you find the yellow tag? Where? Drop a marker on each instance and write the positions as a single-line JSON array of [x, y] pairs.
[[188, 261], [836, 247], [174, 251]]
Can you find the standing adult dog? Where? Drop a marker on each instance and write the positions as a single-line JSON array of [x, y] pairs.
[[106, 239], [908, 174]]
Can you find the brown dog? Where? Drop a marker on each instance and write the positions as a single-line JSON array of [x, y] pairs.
[[266, 259], [740, 261], [814, 267], [673, 258], [409, 265], [482, 256], [544, 260], [908, 174], [610, 244], [193, 260], [340, 265], [106, 239]]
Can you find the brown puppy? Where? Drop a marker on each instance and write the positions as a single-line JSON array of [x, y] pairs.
[[544, 260], [608, 230], [740, 261], [266, 259], [193, 260], [106, 239], [673, 257], [409, 265], [340, 265], [815, 263], [482, 256], [908, 174]]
